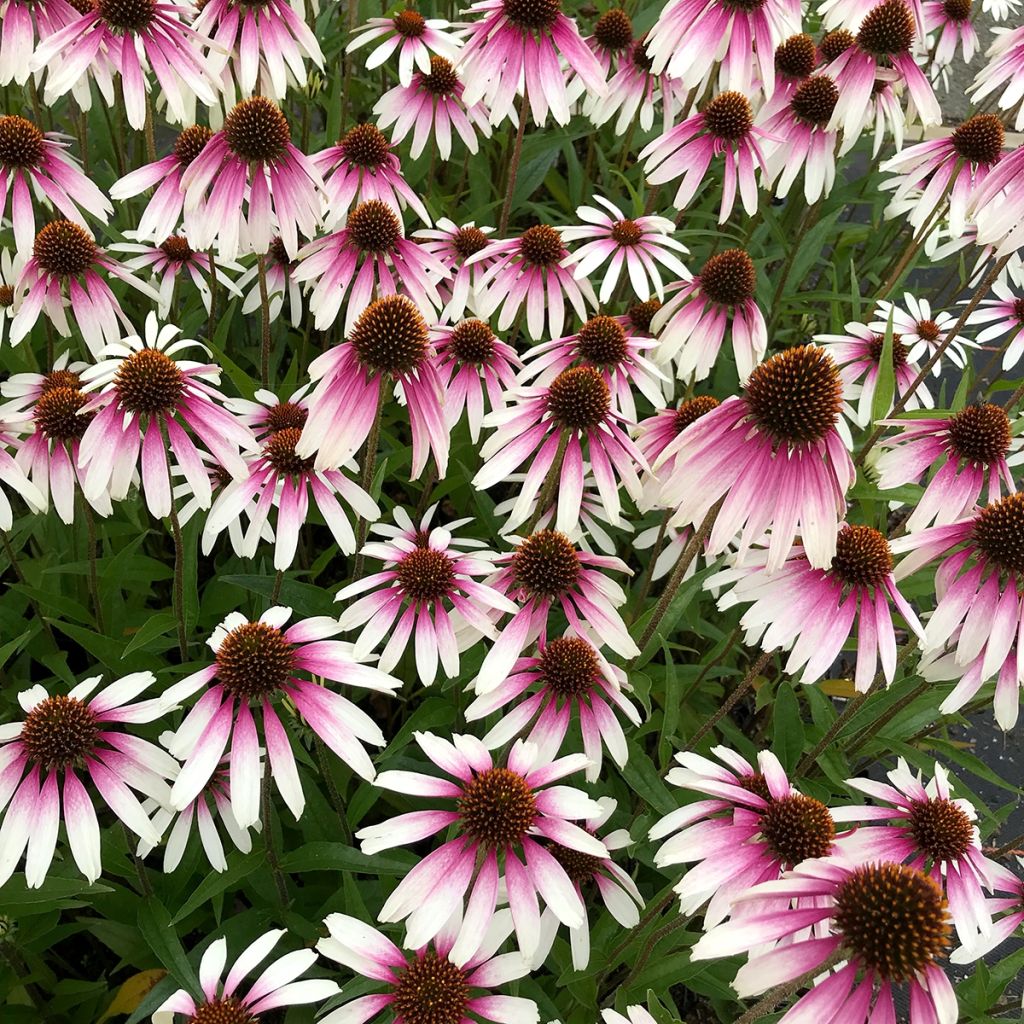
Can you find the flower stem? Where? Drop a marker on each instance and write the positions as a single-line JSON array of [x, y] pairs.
[[33, 604], [264, 320], [145, 886], [332, 790], [810, 218], [268, 838], [547, 490], [150, 142], [513, 168], [212, 324], [732, 700], [769, 1001], [366, 478], [179, 584], [94, 588], [648, 576], [677, 922]]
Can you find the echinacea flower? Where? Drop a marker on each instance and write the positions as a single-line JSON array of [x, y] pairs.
[[504, 815], [453, 246], [145, 399], [531, 269], [1011, 908], [912, 822], [14, 423], [634, 93], [969, 447], [634, 244], [276, 985], [811, 612], [389, 345], [23, 24], [544, 571], [255, 665], [612, 38], [430, 107], [279, 271], [998, 205], [516, 46], [692, 325], [414, 37], [34, 166], [247, 179], [921, 331], [568, 679], [63, 740], [657, 432], [370, 256], [750, 829], [774, 455], [951, 20], [424, 585], [1004, 67], [724, 128], [435, 982], [64, 271], [1004, 314], [889, 922], [267, 414], [796, 59], [10, 271]]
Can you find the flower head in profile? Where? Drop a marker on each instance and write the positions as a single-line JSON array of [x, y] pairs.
[[415, 38], [64, 742], [612, 38], [1004, 314], [997, 205], [255, 665], [504, 816], [1003, 70], [13, 424], [279, 269], [453, 246], [951, 21], [10, 270], [1009, 907]]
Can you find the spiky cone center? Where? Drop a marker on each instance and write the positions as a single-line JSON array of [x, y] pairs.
[[223, 1011], [941, 829], [58, 732], [532, 15], [472, 341], [729, 117], [999, 533], [374, 226], [277, 254], [862, 557], [887, 30], [899, 350], [430, 990], [958, 10], [980, 434], [928, 330], [579, 399], [613, 31], [541, 246], [642, 60], [21, 142], [366, 145], [279, 451], [1018, 310], [60, 379], [728, 278], [257, 131], [602, 342], [569, 666], [797, 827], [744, 6], [469, 241], [692, 409], [814, 100], [640, 315], [835, 43], [893, 919], [425, 575], [64, 249], [286, 415], [442, 81], [795, 396], [57, 414], [149, 382], [176, 248], [126, 16], [979, 139], [627, 232], [254, 660], [580, 867], [756, 783], [6, 296], [796, 56], [409, 24], [391, 336], [546, 564], [190, 142], [497, 808]]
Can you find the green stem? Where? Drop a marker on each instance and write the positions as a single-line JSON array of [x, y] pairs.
[[648, 576], [179, 584], [546, 494], [366, 479], [732, 700], [145, 886], [33, 604], [337, 803], [268, 838], [767, 1003], [264, 320], [94, 587], [513, 168], [808, 221]]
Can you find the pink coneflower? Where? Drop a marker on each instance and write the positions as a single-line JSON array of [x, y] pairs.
[[573, 415], [426, 590], [543, 571], [251, 162], [413, 36], [691, 326], [811, 612], [389, 345], [725, 128], [453, 246], [516, 46], [1005, 315], [971, 446], [146, 399], [531, 269], [929, 830], [360, 167], [921, 331], [258, 663], [24, 22], [858, 354], [634, 93], [276, 986], [796, 59], [279, 269], [471, 361], [889, 922], [1012, 909], [267, 414], [503, 816], [267, 45], [998, 205], [163, 212], [439, 982], [637, 245], [132, 39], [883, 47], [695, 40], [1005, 67], [62, 737], [774, 455], [190, 505], [612, 39], [752, 828], [64, 270], [430, 107], [10, 271], [952, 20], [568, 679], [370, 256], [33, 163], [14, 423]]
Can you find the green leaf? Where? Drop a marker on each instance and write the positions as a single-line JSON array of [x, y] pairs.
[[339, 857], [217, 881], [15, 895], [642, 777], [159, 935], [156, 625], [885, 387], [788, 727], [304, 598]]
